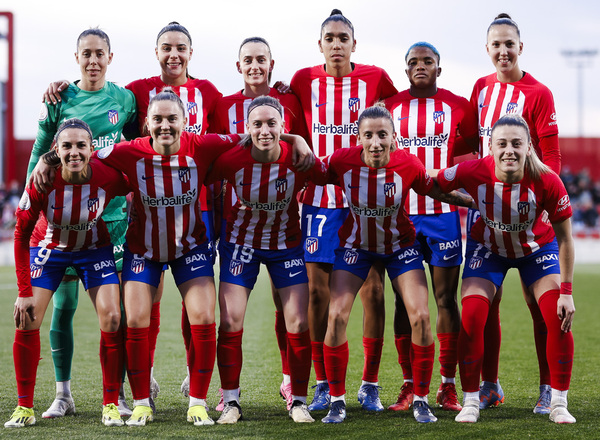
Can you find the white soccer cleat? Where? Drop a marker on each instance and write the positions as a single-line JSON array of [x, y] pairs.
[[299, 412], [232, 412], [560, 414], [469, 413], [62, 406]]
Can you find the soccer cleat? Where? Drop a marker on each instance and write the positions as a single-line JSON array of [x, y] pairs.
[[543, 404], [299, 412], [469, 412], [336, 414], [140, 416], [21, 417], [232, 412], [368, 396], [321, 399], [111, 416], [61, 407], [154, 390], [405, 398], [446, 397], [221, 405], [199, 416], [490, 394], [285, 391], [422, 412], [185, 386], [124, 409], [560, 414]]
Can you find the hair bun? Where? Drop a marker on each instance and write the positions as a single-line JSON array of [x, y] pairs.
[[336, 12], [173, 22], [502, 15]]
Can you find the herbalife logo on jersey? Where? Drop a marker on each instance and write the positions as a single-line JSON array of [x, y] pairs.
[[113, 117], [281, 185], [185, 174], [354, 104], [164, 201], [93, 204]]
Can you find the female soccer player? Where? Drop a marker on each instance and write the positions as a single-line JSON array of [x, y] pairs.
[[428, 121], [263, 227], [70, 233], [524, 223], [255, 63], [333, 95], [107, 108], [510, 90], [376, 182]]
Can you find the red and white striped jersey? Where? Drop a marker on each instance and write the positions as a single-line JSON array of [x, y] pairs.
[[427, 128], [168, 221], [377, 221], [265, 215], [512, 222], [527, 97], [331, 109]]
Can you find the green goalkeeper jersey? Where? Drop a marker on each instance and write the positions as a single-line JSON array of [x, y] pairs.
[[106, 111]]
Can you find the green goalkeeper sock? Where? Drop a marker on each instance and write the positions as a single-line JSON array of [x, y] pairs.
[[61, 328]]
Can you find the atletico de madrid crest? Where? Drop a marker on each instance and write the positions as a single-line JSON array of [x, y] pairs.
[[113, 117], [312, 245], [439, 117], [281, 185], [36, 271], [192, 108], [236, 267], [389, 189], [475, 262], [351, 257], [137, 265], [512, 107], [93, 204], [523, 208], [354, 104], [184, 174]]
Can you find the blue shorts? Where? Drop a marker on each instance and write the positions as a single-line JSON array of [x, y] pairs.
[[95, 267], [440, 238], [320, 227], [194, 264], [240, 265], [483, 263], [359, 261]]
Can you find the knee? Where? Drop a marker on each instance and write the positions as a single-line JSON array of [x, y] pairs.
[[446, 299], [420, 322], [110, 320]]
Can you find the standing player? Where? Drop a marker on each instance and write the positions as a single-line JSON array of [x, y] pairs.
[[428, 121], [263, 227], [333, 95], [510, 90], [376, 182], [69, 233], [524, 223], [107, 108], [255, 63]]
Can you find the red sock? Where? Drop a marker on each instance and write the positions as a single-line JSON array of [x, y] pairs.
[[202, 358], [318, 361], [470, 340], [138, 361], [186, 333], [559, 349], [448, 355], [26, 356], [336, 364], [112, 356], [540, 334], [372, 349], [154, 330], [229, 358], [281, 333], [403, 343], [422, 364], [492, 338], [298, 351]]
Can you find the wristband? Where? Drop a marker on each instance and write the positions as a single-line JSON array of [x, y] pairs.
[[566, 288]]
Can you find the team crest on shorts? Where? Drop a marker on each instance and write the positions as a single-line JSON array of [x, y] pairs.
[[354, 104], [389, 189], [475, 262], [185, 174], [93, 204], [350, 256], [523, 208], [192, 108], [512, 107], [312, 245], [439, 117], [113, 117], [236, 267], [36, 271], [138, 265], [281, 185]]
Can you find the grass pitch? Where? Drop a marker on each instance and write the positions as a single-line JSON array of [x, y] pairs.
[[264, 411]]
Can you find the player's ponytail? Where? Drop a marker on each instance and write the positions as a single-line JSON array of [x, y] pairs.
[[336, 15]]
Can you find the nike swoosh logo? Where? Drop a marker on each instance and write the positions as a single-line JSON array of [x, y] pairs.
[[195, 268], [448, 257], [565, 362], [469, 362], [319, 105], [104, 275], [406, 117], [487, 203], [483, 105], [353, 187], [147, 177], [245, 184], [238, 122], [54, 350], [411, 260], [57, 207], [293, 274], [544, 267]]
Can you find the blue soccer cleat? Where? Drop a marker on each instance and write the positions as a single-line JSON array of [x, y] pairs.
[[336, 414], [543, 404], [422, 412], [321, 398], [490, 394], [368, 396]]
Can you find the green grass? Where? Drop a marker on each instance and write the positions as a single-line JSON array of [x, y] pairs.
[[264, 411]]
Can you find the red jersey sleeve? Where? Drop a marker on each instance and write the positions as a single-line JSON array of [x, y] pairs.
[[422, 183], [386, 86], [556, 200], [27, 215]]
